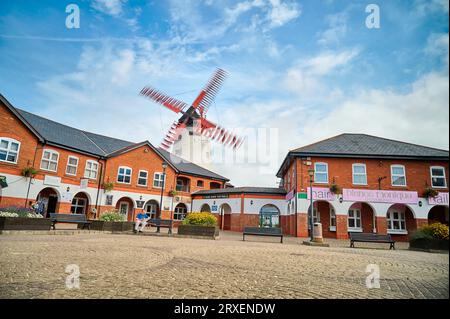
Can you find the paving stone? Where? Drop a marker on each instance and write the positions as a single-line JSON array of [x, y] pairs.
[[131, 266]]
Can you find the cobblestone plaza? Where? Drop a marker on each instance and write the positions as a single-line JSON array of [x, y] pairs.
[[127, 266]]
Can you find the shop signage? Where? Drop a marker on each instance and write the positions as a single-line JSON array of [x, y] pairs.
[[380, 196], [3, 183], [440, 199], [214, 208], [109, 200], [321, 193], [215, 196], [140, 203], [290, 195]]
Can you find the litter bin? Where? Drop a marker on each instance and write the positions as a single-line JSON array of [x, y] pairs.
[[317, 233]]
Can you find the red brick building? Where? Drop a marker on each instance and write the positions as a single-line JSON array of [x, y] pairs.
[[75, 166], [381, 184]]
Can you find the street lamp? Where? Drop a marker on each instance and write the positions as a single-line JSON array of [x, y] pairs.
[[164, 166], [311, 177]]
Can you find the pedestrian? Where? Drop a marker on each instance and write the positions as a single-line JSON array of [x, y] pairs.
[[141, 222]]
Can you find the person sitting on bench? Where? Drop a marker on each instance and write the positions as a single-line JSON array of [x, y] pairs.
[[141, 222]]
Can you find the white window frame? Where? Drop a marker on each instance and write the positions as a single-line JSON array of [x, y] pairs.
[[139, 177], [177, 212], [332, 217], [8, 150], [203, 183], [124, 174], [86, 169], [390, 222], [157, 183], [49, 160], [359, 174], [153, 213], [392, 175], [355, 229], [71, 165], [444, 177], [315, 172]]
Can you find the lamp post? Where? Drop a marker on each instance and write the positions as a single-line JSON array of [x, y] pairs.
[[311, 176], [164, 166]]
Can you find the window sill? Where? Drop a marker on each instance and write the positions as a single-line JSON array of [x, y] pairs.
[[397, 232], [9, 163], [355, 230]]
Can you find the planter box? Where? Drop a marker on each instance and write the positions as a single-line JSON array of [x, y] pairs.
[[111, 226], [23, 223], [193, 230], [428, 244]]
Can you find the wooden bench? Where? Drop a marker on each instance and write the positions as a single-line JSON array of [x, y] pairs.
[[70, 218], [371, 238], [165, 223], [263, 231]]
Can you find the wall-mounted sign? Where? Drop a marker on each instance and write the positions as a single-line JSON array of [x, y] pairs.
[[302, 195], [3, 183], [380, 196], [140, 203], [214, 208], [67, 197], [321, 193], [290, 195], [440, 199], [216, 196], [52, 180], [84, 183], [109, 200]]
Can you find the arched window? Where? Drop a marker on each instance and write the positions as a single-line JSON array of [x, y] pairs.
[[205, 209], [180, 212], [9, 150]]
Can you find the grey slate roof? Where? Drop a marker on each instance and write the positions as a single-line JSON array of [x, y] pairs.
[[100, 145], [187, 167], [64, 135], [362, 144], [241, 190]]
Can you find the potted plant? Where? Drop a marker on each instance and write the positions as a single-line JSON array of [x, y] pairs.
[[173, 193], [112, 221], [108, 186], [430, 237], [21, 218], [29, 172], [199, 224], [335, 189], [430, 193]]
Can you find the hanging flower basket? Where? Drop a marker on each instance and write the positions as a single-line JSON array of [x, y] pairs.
[[29, 172]]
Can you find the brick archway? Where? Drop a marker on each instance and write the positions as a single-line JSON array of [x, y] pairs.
[[438, 213]]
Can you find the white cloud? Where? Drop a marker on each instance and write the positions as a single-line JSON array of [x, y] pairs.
[[282, 12], [111, 7], [304, 77], [337, 29], [438, 45], [424, 7]]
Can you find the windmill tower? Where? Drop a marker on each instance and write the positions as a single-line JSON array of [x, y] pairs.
[[192, 133]]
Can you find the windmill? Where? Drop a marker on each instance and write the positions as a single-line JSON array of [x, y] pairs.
[[193, 122]]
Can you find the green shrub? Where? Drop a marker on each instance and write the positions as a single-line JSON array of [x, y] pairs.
[[433, 231], [200, 219], [112, 216]]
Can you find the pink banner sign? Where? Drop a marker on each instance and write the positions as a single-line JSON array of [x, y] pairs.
[[440, 199], [289, 195], [380, 196], [321, 193]]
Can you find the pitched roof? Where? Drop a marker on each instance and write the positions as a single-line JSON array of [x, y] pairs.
[[367, 146], [58, 134], [243, 190], [363, 144]]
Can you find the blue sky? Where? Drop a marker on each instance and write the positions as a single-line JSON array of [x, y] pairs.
[[309, 69]]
